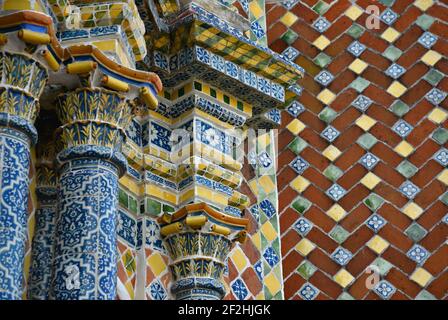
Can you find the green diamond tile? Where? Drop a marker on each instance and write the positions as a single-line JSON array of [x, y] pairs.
[[373, 201], [416, 232], [424, 21], [332, 172], [433, 77], [425, 295], [289, 37], [444, 198], [339, 234], [345, 296], [367, 141], [355, 31], [440, 135], [383, 265], [399, 108], [327, 115], [360, 84], [301, 204], [407, 169], [306, 269], [392, 53], [321, 7], [322, 60], [297, 145]]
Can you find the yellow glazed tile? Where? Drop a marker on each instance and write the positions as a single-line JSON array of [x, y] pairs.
[[343, 278], [431, 57], [295, 126], [331, 152], [404, 148], [289, 19], [390, 35], [423, 4], [304, 247], [254, 186], [396, 89], [443, 177], [268, 231], [267, 184], [354, 12], [322, 42], [438, 115], [421, 276], [358, 66], [378, 244], [326, 96], [300, 184], [272, 283], [157, 264], [260, 296], [370, 180], [239, 259], [412, 210], [365, 122], [336, 212], [256, 239]]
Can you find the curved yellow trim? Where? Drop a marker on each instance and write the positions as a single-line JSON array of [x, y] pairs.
[[51, 60], [81, 67], [220, 229], [196, 222], [149, 98], [171, 228], [115, 84], [33, 37]]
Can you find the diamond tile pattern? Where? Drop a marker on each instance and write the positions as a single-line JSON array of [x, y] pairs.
[[399, 84]]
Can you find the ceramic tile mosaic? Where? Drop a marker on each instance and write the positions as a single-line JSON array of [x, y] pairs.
[[362, 181]]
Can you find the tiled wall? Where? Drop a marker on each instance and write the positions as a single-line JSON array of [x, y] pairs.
[[362, 154]]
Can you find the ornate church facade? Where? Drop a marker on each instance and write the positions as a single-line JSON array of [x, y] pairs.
[[136, 150]]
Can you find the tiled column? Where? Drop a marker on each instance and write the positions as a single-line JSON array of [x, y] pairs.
[[43, 240], [22, 80], [90, 165]]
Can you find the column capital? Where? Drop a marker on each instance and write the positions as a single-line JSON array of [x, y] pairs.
[[22, 80], [199, 239], [93, 122]]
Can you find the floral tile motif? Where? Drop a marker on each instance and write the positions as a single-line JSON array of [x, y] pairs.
[[239, 289], [341, 256], [356, 48], [324, 78], [336, 192], [388, 16], [402, 128], [385, 289], [435, 96], [308, 291], [330, 133], [157, 291], [291, 53], [295, 108], [369, 161], [362, 102], [299, 165], [321, 24], [427, 40], [303, 226], [441, 156], [409, 189], [267, 207], [418, 254], [395, 71], [376, 222], [271, 256]]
